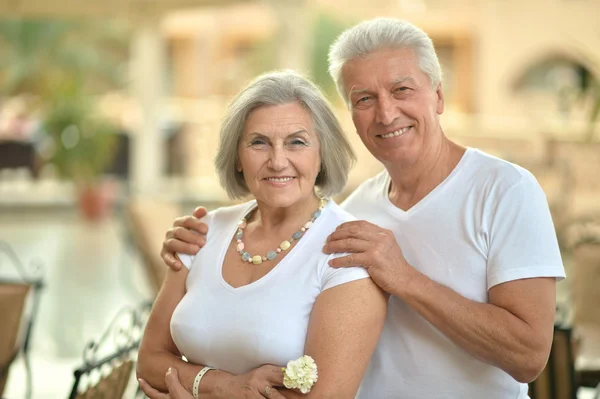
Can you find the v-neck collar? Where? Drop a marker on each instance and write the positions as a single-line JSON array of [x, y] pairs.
[[429, 197], [286, 259]]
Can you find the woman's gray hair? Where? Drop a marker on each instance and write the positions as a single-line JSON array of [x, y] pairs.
[[380, 33], [279, 88]]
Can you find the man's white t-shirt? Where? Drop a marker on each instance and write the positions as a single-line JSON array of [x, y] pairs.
[[487, 223], [265, 322]]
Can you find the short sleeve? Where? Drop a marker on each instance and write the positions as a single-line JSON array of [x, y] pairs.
[[332, 277], [522, 239], [186, 259]]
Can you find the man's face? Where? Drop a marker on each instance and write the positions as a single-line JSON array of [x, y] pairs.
[[394, 108]]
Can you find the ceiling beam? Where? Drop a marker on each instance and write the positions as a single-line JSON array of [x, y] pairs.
[[99, 8]]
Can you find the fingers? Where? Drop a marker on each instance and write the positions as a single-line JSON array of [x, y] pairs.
[[355, 234], [346, 245], [173, 246], [151, 392], [274, 375], [187, 236], [171, 260], [191, 223], [360, 224], [176, 390], [200, 212], [271, 393], [348, 261]]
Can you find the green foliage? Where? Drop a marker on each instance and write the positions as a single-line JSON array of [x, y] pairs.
[[61, 63], [35, 53], [83, 143], [326, 30], [594, 92]]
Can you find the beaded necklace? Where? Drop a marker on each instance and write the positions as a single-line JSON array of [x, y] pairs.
[[257, 259]]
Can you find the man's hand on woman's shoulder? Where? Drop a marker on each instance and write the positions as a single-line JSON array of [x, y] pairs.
[[187, 236]]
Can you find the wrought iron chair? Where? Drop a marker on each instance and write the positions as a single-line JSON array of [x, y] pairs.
[[107, 367], [17, 318]]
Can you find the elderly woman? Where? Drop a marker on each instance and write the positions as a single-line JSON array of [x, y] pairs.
[[261, 292]]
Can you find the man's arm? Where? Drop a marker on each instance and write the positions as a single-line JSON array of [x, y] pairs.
[[513, 331]]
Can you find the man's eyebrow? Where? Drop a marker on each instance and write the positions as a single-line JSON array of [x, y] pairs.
[[402, 79], [394, 82], [354, 91]]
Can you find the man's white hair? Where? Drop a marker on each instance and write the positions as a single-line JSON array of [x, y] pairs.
[[381, 33]]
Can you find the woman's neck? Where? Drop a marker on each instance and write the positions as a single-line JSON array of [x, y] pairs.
[[272, 219]]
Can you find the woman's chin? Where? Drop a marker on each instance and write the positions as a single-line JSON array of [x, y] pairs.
[[280, 199]]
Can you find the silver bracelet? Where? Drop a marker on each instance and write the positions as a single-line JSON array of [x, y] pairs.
[[198, 379]]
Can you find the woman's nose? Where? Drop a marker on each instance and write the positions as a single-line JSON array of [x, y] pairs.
[[278, 160]]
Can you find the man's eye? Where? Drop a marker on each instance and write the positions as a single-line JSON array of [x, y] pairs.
[[363, 101], [401, 89]]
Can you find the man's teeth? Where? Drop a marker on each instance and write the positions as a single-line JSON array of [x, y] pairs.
[[396, 133], [279, 179]]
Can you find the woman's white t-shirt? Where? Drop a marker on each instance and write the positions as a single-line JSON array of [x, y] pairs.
[[265, 322]]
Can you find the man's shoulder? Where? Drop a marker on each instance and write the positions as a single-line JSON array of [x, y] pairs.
[[484, 168], [368, 190]]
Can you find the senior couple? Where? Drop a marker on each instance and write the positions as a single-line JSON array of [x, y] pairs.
[[434, 279]]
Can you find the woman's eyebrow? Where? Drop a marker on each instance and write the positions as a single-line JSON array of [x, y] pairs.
[[298, 133]]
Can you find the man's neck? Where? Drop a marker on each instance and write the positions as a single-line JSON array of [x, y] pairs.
[[411, 184]]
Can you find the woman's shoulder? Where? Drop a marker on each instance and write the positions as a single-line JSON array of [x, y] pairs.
[[338, 214], [229, 214]]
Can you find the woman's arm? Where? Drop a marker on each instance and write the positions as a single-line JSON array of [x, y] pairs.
[[158, 353], [344, 328], [157, 350]]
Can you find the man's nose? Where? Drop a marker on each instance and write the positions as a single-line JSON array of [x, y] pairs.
[[387, 110]]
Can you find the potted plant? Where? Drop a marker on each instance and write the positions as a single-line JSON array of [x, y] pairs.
[[83, 145]]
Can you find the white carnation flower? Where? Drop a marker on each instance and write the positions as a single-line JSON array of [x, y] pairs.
[[300, 374]]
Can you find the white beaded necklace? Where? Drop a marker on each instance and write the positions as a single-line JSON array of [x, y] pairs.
[[257, 259]]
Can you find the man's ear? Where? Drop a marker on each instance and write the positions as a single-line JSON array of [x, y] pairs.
[[440, 99]]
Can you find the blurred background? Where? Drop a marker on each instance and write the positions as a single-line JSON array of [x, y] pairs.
[[109, 115]]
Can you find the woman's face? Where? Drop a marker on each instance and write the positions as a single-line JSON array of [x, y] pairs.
[[279, 154]]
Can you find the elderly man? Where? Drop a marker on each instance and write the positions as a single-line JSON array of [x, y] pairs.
[[462, 241]]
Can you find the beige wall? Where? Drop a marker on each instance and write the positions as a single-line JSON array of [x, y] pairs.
[[513, 34]]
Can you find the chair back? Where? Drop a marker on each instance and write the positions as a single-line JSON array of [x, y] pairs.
[[557, 380], [586, 283], [147, 222], [12, 303], [108, 362], [19, 302]]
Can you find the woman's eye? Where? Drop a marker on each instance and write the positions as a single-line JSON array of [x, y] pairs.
[[297, 142], [257, 142]]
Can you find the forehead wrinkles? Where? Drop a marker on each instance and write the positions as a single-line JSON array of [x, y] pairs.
[[279, 131]]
